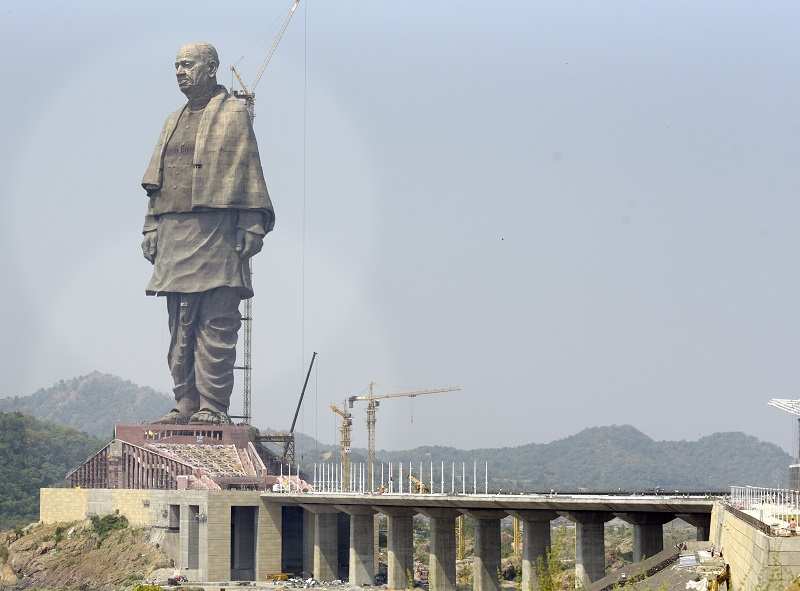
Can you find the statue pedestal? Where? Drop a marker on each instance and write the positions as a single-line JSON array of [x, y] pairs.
[[197, 456]]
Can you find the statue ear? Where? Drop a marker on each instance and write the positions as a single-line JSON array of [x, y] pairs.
[[212, 69]]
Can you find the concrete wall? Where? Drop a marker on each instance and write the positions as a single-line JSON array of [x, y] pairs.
[[150, 508], [58, 505], [758, 562]]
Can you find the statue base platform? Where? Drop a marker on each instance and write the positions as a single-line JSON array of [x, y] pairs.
[[194, 456]]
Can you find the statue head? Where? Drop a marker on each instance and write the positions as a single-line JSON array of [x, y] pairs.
[[196, 69]]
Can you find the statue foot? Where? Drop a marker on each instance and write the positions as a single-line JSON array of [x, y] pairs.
[[173, 417], [212, 417]]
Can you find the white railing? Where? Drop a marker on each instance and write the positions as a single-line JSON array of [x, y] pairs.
[[777, 507], [402, 478]]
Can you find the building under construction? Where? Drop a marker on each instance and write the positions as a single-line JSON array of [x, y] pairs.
[[178, 457]]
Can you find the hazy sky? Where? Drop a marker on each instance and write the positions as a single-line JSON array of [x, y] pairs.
[[584, 212]]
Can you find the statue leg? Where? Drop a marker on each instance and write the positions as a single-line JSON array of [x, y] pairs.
[[217, 330], [183, 309]]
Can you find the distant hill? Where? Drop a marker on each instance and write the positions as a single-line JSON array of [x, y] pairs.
[[607, 458], [598, 458], [92, 403], [34, 454]]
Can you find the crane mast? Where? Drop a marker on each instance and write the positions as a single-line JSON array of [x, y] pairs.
[[249, 97], [345, 439]]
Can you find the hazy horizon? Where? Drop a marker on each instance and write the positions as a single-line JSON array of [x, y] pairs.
[[583, 213]]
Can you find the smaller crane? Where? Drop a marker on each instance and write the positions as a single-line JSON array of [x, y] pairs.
[[373, 402], [345, 431]]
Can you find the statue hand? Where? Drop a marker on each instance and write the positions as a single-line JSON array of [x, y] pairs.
[[248, 243], [149, 245]]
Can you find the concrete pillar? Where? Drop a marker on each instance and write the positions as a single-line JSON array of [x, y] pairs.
[[648, 532], [590, 551], [442, 566], [308, 543], [400, 547], [325, 562], [183, 536], [535, 545], [702, 521], [362, 544], [486, 566]]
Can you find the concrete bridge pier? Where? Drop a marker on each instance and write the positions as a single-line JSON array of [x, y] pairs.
[[486, 566], [535, 545], [702, 521], [648, 532], [325, 552], [442, 568], [399, 546], [590, 549], [362, 546]]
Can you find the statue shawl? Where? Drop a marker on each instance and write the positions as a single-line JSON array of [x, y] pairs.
[[227, 168]]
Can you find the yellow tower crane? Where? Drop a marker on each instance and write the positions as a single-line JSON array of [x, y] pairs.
[[345, 431], [373, 401]]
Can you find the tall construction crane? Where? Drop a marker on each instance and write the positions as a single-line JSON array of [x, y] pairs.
[[248, 94], [373, 401], [345, 434]]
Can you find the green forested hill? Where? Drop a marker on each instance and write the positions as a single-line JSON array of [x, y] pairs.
[[92, 403], [607, 458], [598, 458], [34, 454]]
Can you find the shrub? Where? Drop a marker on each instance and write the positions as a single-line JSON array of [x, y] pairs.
[[107, 523]]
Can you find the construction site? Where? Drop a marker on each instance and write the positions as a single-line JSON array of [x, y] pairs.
[[216, 505]]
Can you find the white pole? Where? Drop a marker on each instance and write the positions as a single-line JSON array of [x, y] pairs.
[[474, 477], [315, 476], [400, 467], [410, 471], [391, 484], [463, 478], [433, 484], [486, 477], [372, 477], [381, 474], [297, 472], [442, 477], [453, 478]]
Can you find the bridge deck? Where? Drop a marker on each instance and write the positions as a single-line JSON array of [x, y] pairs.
[[608, 503]]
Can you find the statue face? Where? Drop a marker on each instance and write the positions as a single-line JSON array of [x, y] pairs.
[[195, 75]]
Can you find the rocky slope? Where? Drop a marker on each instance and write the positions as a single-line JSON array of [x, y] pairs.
[[77, 557]]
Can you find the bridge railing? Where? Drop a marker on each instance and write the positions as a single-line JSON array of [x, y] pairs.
[[402, 478], [776, 507]]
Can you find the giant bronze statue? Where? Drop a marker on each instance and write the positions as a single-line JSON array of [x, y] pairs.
[[208, 212]]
